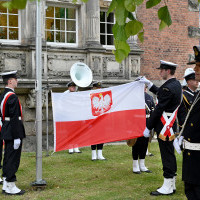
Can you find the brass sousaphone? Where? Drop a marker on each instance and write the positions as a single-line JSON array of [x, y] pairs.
[[81, 74]]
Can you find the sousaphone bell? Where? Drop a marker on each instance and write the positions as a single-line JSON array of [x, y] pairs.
[[81, 74]]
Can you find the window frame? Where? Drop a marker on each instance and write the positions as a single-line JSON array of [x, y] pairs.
[[9, 41], [61, 44], [112, 47]]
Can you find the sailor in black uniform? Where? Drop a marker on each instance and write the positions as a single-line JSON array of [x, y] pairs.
[[163, 121], [12, 133], [190, 141], [139, 149], [188, 95]]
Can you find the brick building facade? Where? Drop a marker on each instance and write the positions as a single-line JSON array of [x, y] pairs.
[[174, 43]]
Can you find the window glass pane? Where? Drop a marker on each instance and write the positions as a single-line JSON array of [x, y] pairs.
[[50, 11], [110, 40], [60, 12], [13, 11], [50, 24], [71, 25], [102, 28], [71, 37], [3, 33], [102, 39], [13, 33], [70, 13], [110, 17], [60, 24], [50, 36], [2, 9], [109, 28], [13, 20], [60, 36], [3, 20], [102, 16]]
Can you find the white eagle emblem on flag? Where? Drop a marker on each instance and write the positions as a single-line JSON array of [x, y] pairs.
[[101, 102]]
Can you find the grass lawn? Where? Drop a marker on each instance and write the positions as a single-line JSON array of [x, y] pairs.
[[76, 177]]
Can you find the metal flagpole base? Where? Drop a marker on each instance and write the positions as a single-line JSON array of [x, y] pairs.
[[39, 185]]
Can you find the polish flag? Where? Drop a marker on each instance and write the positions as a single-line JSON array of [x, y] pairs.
[[98, 116]]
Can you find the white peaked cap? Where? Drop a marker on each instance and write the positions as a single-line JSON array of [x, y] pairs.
[[162, 62], [189, 71], [8, 73]]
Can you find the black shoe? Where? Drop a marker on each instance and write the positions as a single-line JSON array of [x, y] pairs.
[[156, 193], [3, 192], [151, 154], [138, 172], [78, 152], [174, 191], [19, 193], [147, 171], [1, 182], [70, 152]]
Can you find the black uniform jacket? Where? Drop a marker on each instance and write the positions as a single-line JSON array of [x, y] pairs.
[[13, 128], [191, 158], [169, 98], [150, 103], [188, 98]]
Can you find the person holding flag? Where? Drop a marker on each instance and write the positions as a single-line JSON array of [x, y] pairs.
[[163, 121], [12, 132], [99, 147], [72, 88]]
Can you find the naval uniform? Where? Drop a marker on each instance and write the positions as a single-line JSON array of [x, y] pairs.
[[140, 148], [12, 128], [169, 98], [188, 98], [191, 154]]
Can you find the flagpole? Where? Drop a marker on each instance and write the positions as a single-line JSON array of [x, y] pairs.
[[38, 86]]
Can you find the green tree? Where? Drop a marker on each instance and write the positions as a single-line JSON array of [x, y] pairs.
[[126, 23]]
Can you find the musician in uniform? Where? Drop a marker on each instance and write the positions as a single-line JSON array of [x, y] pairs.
[[99, 147], [1, 151], [163, 121], [139, 149], [190, 141], [188, 95], [72, 88], [12, 133]]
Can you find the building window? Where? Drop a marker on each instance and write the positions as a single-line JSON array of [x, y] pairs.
[[9, 24], [61, 25], [106, 24]]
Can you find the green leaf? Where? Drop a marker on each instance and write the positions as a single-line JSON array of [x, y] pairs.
[[119, 32], [123, 45], [131, 16], [119, 55], [138, 2], [162, 25], [164, 15], [133, 27], [152, 3], [19, 4], [120, 12], [8, 5], [85, 1], [112, 6], [130, 5], [199, 1], [141, 36]]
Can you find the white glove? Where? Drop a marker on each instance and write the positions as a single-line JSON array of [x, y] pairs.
[[177, 146], [143, 79], [146, 133], [17, 143]]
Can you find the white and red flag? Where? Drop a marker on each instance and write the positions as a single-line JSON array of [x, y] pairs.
[[98, 116]]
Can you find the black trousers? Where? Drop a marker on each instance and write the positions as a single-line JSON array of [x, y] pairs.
[[140, 148], [97, 146], [1, 152], [192, 191], [11, 160], [168, 158]]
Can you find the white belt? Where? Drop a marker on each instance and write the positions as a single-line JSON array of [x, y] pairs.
[[191, 146], [8, 118]]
